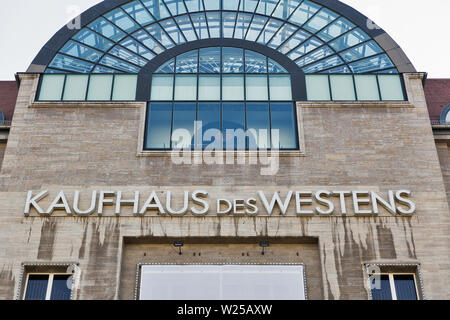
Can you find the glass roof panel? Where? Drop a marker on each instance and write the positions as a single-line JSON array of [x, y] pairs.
[[160, 35], [320, 20], [256, 27], [107, 29], [186, 27], [248, 5], [114, 62], [230, 5], [242, 24], [172, 30], [271, 27], [119, 52], [335, 29], [176, 7], [349, 39], [71, 64], [213, 19], [138, 12], [324, 64], [148, 41], [200, 25], [156, 8], [122, 20], [133, 34], [294, 41], [314, 56], [211, 4], [103, 69], [194, 5], [305, 47], [228, 23], [137, 47], [282, 35], [285, 8], [304, 12], [255, 62], [371, 64], [78, 50], [364, 50], [266, 7], [92, 39]]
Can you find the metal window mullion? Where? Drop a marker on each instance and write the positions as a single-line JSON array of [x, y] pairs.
[[329, 87], [87, 88], [392, 285], [63, 88], [354, 87], [379, 88], [112, 87], [48, 293]]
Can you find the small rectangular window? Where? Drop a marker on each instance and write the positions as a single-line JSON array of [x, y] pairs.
[[76, 87], [342, 88], [48, 287], [391, 88], [258, 126], [162, 88], [209, 116], [185, 87], [318, 88], [280, 88], [391, 286], [256, 88], [124, 88], [159, 126], [184, 115], [233, 121], [100, 87], [283, 119], [51, 87], [367, 87], [209, 88], [233, 88]]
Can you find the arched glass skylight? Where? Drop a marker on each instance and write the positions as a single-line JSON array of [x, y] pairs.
[[317, 39], [221, 60]]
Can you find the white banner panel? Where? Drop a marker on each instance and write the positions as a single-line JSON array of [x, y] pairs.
[[222, 282]]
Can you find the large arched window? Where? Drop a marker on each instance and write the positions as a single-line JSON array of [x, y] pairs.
[[221, 89]]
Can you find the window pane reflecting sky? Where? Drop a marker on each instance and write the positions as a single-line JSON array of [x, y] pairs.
[[421, 41]]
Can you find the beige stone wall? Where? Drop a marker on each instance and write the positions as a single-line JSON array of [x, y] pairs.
[[382, 146], [444, 158]]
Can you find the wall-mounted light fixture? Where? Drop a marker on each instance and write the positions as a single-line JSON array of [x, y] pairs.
[[263, 245], [178, 244]]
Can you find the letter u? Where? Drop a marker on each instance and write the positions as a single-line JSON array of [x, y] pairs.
[[76, 201]]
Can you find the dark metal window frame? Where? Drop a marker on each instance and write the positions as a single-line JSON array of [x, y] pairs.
[[376, 75], [89, 75], [221, 101]]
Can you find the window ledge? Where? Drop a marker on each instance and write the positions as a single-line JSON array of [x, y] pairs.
[[167, 153], [88, 104], [355, 104]]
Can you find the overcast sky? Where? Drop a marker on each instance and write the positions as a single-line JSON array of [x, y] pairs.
[[420, 27]]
